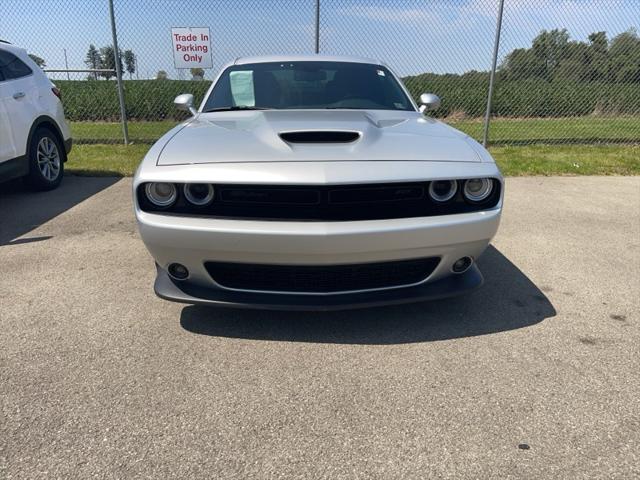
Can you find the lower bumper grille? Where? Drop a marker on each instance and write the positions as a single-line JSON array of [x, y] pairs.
[[321, 279]]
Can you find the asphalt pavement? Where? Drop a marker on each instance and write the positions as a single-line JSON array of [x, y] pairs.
[[535, 375]]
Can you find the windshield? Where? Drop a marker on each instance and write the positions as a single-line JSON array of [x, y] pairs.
[[307, 85]]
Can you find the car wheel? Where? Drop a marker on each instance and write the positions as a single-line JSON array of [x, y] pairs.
[[46, 160]]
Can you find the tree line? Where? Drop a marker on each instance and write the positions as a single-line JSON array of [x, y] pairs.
[[197, 74], [554, 56], [104, 59]]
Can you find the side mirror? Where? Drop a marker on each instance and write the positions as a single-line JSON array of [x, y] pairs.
[[429, 101], [185, 102]]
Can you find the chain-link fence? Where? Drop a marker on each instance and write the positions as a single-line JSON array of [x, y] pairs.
[[568, 71]]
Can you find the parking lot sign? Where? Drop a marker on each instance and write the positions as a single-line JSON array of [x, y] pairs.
[[191, 47]]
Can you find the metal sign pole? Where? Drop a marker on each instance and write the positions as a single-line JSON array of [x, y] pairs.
[[496, 46], [317, 26], [116, 56]]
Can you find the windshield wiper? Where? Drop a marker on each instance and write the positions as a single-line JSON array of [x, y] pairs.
[[234, 109]]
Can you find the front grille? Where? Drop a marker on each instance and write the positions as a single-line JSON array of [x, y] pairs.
[[324, 202], [321, 279]]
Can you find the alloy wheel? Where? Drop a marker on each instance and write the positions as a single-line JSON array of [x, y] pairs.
[[48, 158]]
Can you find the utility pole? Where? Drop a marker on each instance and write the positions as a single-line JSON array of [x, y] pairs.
[[496, 47], [116, 55]]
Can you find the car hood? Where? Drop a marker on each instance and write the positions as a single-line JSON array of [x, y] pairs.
[[257, 136]]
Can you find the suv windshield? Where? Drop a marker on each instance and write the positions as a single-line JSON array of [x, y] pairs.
[[307, 85]]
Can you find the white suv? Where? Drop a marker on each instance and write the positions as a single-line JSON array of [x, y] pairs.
[[34, 136]]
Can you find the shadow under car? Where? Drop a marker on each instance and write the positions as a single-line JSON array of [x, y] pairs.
[[23, 210], [507, 301]]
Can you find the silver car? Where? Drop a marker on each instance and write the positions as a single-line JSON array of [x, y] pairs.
[[314, 182]]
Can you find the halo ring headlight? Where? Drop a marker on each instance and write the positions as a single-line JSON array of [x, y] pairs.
[[199, 194], [478, 189], [161, 194], [442, 190]]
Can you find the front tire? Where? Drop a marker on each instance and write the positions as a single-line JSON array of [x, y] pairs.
[[46, 160]]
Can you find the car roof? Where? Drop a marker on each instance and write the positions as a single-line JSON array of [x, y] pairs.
[[305, 58], [9, 47]]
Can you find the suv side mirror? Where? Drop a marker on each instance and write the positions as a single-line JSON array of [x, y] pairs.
[[185, 102], [429, 101]]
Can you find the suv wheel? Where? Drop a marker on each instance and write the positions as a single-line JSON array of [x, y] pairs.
[[46, 160]]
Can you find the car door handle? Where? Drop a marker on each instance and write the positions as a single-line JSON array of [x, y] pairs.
[[18, 95]]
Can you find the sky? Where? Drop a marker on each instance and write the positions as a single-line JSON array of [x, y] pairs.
[[412, 36]]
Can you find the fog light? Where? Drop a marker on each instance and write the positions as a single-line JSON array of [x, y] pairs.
[[178, 271], [462, 265]]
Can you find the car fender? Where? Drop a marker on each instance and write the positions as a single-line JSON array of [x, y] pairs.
[[47, 121]]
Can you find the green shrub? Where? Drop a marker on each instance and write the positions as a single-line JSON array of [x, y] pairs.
[[467, 94], [145, 99], [461, 94]]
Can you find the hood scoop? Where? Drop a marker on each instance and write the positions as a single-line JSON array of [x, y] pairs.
[[320, 136]]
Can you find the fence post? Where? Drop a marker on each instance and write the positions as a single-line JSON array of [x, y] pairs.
[[66, 63], [317, 26], [496, 46], [116, 56]]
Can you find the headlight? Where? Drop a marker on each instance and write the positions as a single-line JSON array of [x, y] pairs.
[[443, 190], [199, 194], [161, 194], [478, 189]]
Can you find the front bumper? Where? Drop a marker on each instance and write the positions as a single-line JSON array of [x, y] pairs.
[[194, 241], [185, 292]]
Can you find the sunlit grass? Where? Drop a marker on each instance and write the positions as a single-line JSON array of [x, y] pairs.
[[503, 130], [118, 160]]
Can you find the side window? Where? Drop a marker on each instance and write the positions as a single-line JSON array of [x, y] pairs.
[[12, 67]]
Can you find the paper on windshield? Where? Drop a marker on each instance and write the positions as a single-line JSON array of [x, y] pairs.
[[242, 88]]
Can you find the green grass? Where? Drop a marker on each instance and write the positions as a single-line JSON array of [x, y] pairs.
[[503, 130], [541, 157], [118, 160], [139, 132], [568, 159], [105, 160], [555, 130]]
